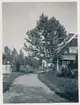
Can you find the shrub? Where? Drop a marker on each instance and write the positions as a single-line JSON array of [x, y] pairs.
[[67, 72]]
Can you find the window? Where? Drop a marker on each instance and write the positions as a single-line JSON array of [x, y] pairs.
[[72, 49]]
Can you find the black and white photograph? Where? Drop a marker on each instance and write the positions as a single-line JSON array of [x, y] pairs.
[[39, 52]]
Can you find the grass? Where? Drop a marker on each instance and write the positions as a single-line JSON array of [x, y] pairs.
[[8, 81], [65, 87]]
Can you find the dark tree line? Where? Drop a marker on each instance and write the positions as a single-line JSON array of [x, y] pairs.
[[18, 58], [12, 56]]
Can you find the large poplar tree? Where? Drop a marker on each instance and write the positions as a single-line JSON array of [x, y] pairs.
[[44, 38]]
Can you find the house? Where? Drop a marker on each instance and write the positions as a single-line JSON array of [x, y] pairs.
[[70, 53], [70, 49]]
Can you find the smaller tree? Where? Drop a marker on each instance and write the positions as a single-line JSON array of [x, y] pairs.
[[14, 56], [6, 54], [17, 66], [25, 60], [3, 59], [21, 57]]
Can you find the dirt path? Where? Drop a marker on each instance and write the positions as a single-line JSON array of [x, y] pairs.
[[29, 89]]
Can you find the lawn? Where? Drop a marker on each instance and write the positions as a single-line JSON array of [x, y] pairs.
[[65, 87], [8, 81]]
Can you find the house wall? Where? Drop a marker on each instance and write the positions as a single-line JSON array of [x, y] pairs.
[[69, 57], [71, 47]]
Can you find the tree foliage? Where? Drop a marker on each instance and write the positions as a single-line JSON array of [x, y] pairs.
[[44, 38], [7, 55], [14, 56], [21, 57], [10, 55]]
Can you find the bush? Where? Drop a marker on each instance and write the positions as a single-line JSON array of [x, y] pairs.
[[67, 72], [74, 73]]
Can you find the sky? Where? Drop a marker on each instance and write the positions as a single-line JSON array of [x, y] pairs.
[[18, 17]]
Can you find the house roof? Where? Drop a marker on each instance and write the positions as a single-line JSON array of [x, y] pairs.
[[73, 42], [70, 40]]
